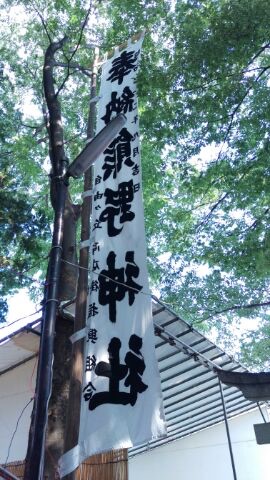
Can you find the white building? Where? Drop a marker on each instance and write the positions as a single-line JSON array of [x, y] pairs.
[[196, 446], [205, 455]]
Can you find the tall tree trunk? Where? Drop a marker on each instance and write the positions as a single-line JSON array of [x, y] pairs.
[[68, 277], [59, 397]]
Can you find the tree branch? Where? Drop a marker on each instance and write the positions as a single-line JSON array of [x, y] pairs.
[[55, 118], [238, 307], [235, 110], [84, 23], [220, 200], [76, 66], [261, 50], [257, 221], [217, 79], [44, 24], [214, 207], [243, 98]]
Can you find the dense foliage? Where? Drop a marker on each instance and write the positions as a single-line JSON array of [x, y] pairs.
[[204, 119], [23, 218]]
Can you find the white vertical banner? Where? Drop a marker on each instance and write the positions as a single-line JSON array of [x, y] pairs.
[[121, 398]]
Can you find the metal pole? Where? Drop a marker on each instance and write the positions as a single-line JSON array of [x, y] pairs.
[[227, 429], [35, 456], [261, 412]]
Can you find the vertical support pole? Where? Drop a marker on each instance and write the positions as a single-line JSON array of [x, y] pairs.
[[261, 412], [35, 454], [74, 403], [227, 429]]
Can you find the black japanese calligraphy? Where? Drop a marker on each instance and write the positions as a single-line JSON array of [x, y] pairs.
[[96, 225], [92, 310], [114, 283], [123, 65], [92, 335], [135, 119], [117, 153], [97, 179], [98, 196], [135, 362], [94, 286], [115, 372], [122, 104], [90, 363], [95, 265], [131, 371], [135, 169], [95, 247], [136, 187], [135, 151], [132, 271], [89, 390], [119, 204]]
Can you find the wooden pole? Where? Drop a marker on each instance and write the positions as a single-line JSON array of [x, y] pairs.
[[74, 403]]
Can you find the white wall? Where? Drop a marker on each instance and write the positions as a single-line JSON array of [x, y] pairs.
[[205, 455], [202, 456], [16, 389]]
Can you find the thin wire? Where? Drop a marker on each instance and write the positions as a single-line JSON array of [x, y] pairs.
[[16, 427], [31, 378], [75, 265], [88, 270], [22, 318], [119, 283], [109, 278], [82, 268], [149, 294]]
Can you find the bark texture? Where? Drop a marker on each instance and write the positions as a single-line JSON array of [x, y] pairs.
[[68, 276], [59, 397]]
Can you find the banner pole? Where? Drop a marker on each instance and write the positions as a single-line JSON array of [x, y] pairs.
[[74, 403]]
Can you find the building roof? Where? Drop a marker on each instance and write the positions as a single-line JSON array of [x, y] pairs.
[[20, 346], [187, 361], [191, 393]]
